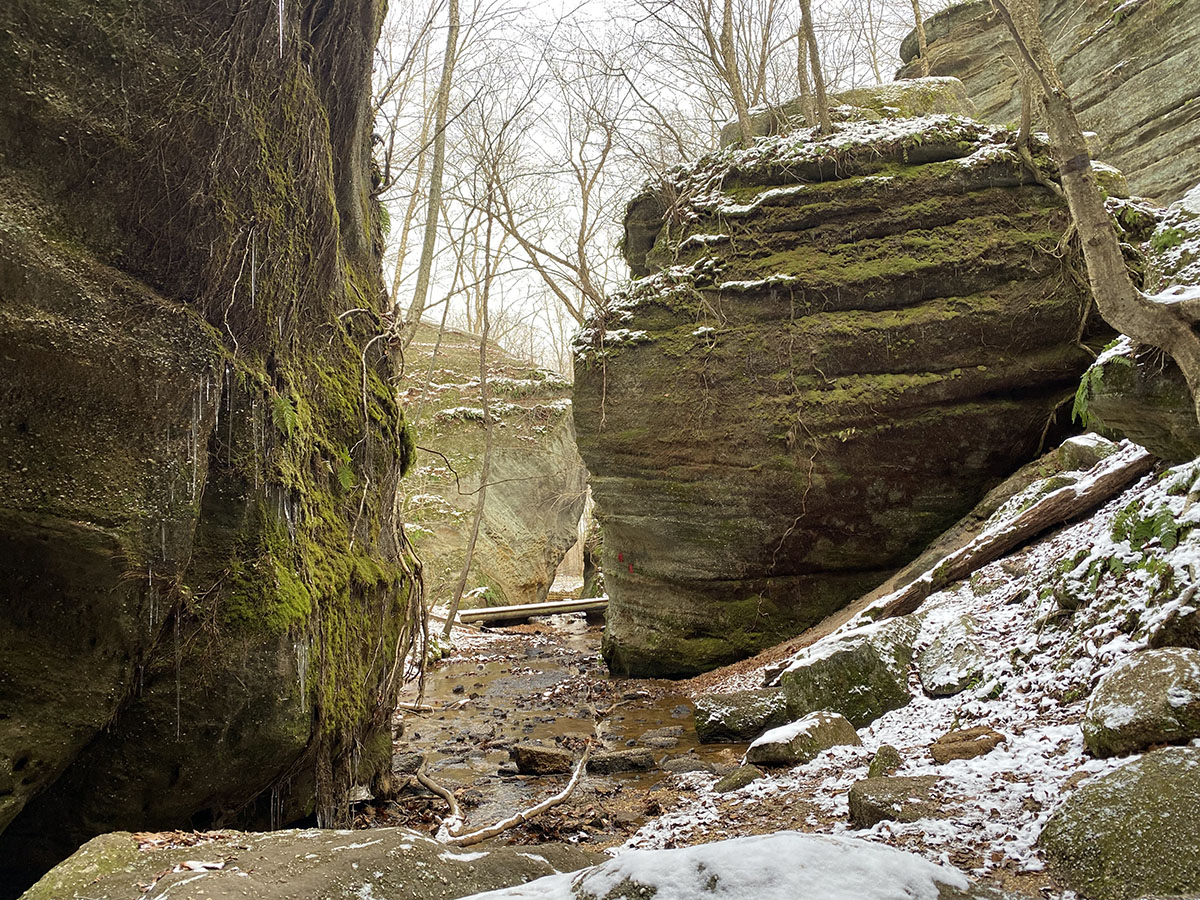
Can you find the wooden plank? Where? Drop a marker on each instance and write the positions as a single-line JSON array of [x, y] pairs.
[[525, 610]]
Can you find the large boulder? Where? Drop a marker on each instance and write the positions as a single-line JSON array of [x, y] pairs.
[[536, 485], [802, 741], [838, 346], [1128, 68], [1151, 697], [860, 675], [780, 866], [282, 865], [204, 588], [1132, 833]]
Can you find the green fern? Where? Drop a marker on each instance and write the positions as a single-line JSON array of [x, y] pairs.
[[346, 477], [283, 414]]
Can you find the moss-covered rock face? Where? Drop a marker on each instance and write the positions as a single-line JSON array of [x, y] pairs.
[[537, 484], [204, 588], [1132, 833], [838, 346], [1130, 69], [1152, 697]]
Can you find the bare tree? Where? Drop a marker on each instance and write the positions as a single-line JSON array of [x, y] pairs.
[[1168, 326], [437, 168], [814, 59], [922, 44]]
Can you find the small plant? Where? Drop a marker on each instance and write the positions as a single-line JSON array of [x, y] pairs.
[[1166, 239]]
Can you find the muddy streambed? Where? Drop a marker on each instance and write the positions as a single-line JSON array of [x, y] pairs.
[[543, 682]]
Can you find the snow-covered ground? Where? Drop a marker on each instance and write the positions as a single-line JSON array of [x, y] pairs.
[[1048, 621]]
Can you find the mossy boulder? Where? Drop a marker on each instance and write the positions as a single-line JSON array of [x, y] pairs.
[[1151, 697], [205, 592], [860, 675], [1132, 833], [802, 741], [536, 486], [834, 349], [953, 661], [739, 715], [281, 865], [893, 798], [897, 99]]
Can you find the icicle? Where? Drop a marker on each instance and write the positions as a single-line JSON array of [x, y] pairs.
[[178, 714], [281, 29], [253, 263], [302, 659]]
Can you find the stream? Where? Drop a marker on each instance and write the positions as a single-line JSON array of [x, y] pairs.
[[542, 682]]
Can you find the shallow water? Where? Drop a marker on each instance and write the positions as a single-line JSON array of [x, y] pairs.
[[546, 683]]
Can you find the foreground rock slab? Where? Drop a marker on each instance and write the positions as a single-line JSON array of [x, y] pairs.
[[740, 715], [1132, 833], [390, 863], [780, 866]]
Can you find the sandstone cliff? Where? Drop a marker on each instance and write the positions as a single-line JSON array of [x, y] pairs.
[[837, 347], [1131, 69], [537, 483], [204, 589]]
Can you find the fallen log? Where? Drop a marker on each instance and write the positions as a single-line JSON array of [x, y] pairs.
[[526, 610], [1103, 481]]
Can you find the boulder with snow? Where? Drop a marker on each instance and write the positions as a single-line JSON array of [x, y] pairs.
[[801, 741], [953, 661], [740, 715], [1151, 697], [780, 866], [790, 403], [861, 674], [886, 761], [893, 798], [1132, 833], [738, 779]]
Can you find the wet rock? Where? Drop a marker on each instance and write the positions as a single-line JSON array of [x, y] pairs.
[[733, 524], [662, 738], [281, 865], [406, 763], [614, 761], [861, 675], [738, 778], [1133, 832], [681, 765], [1152, 697], [895, 798], [953, 661], [740, 715], [965, 743], [886, 760], [537, 759], [802, 741]]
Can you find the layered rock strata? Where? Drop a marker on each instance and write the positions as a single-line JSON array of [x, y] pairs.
[[537, 484], [204, 587], [833, 349], [1130, 69]]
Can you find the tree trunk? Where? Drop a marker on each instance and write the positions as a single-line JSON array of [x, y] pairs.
[[814, 57], [732, 75], [437, 168], [485, 470], [806, 96], [1147, 321], [922, 45]]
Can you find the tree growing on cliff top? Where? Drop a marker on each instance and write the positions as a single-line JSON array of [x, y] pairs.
[[1168, 323]]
